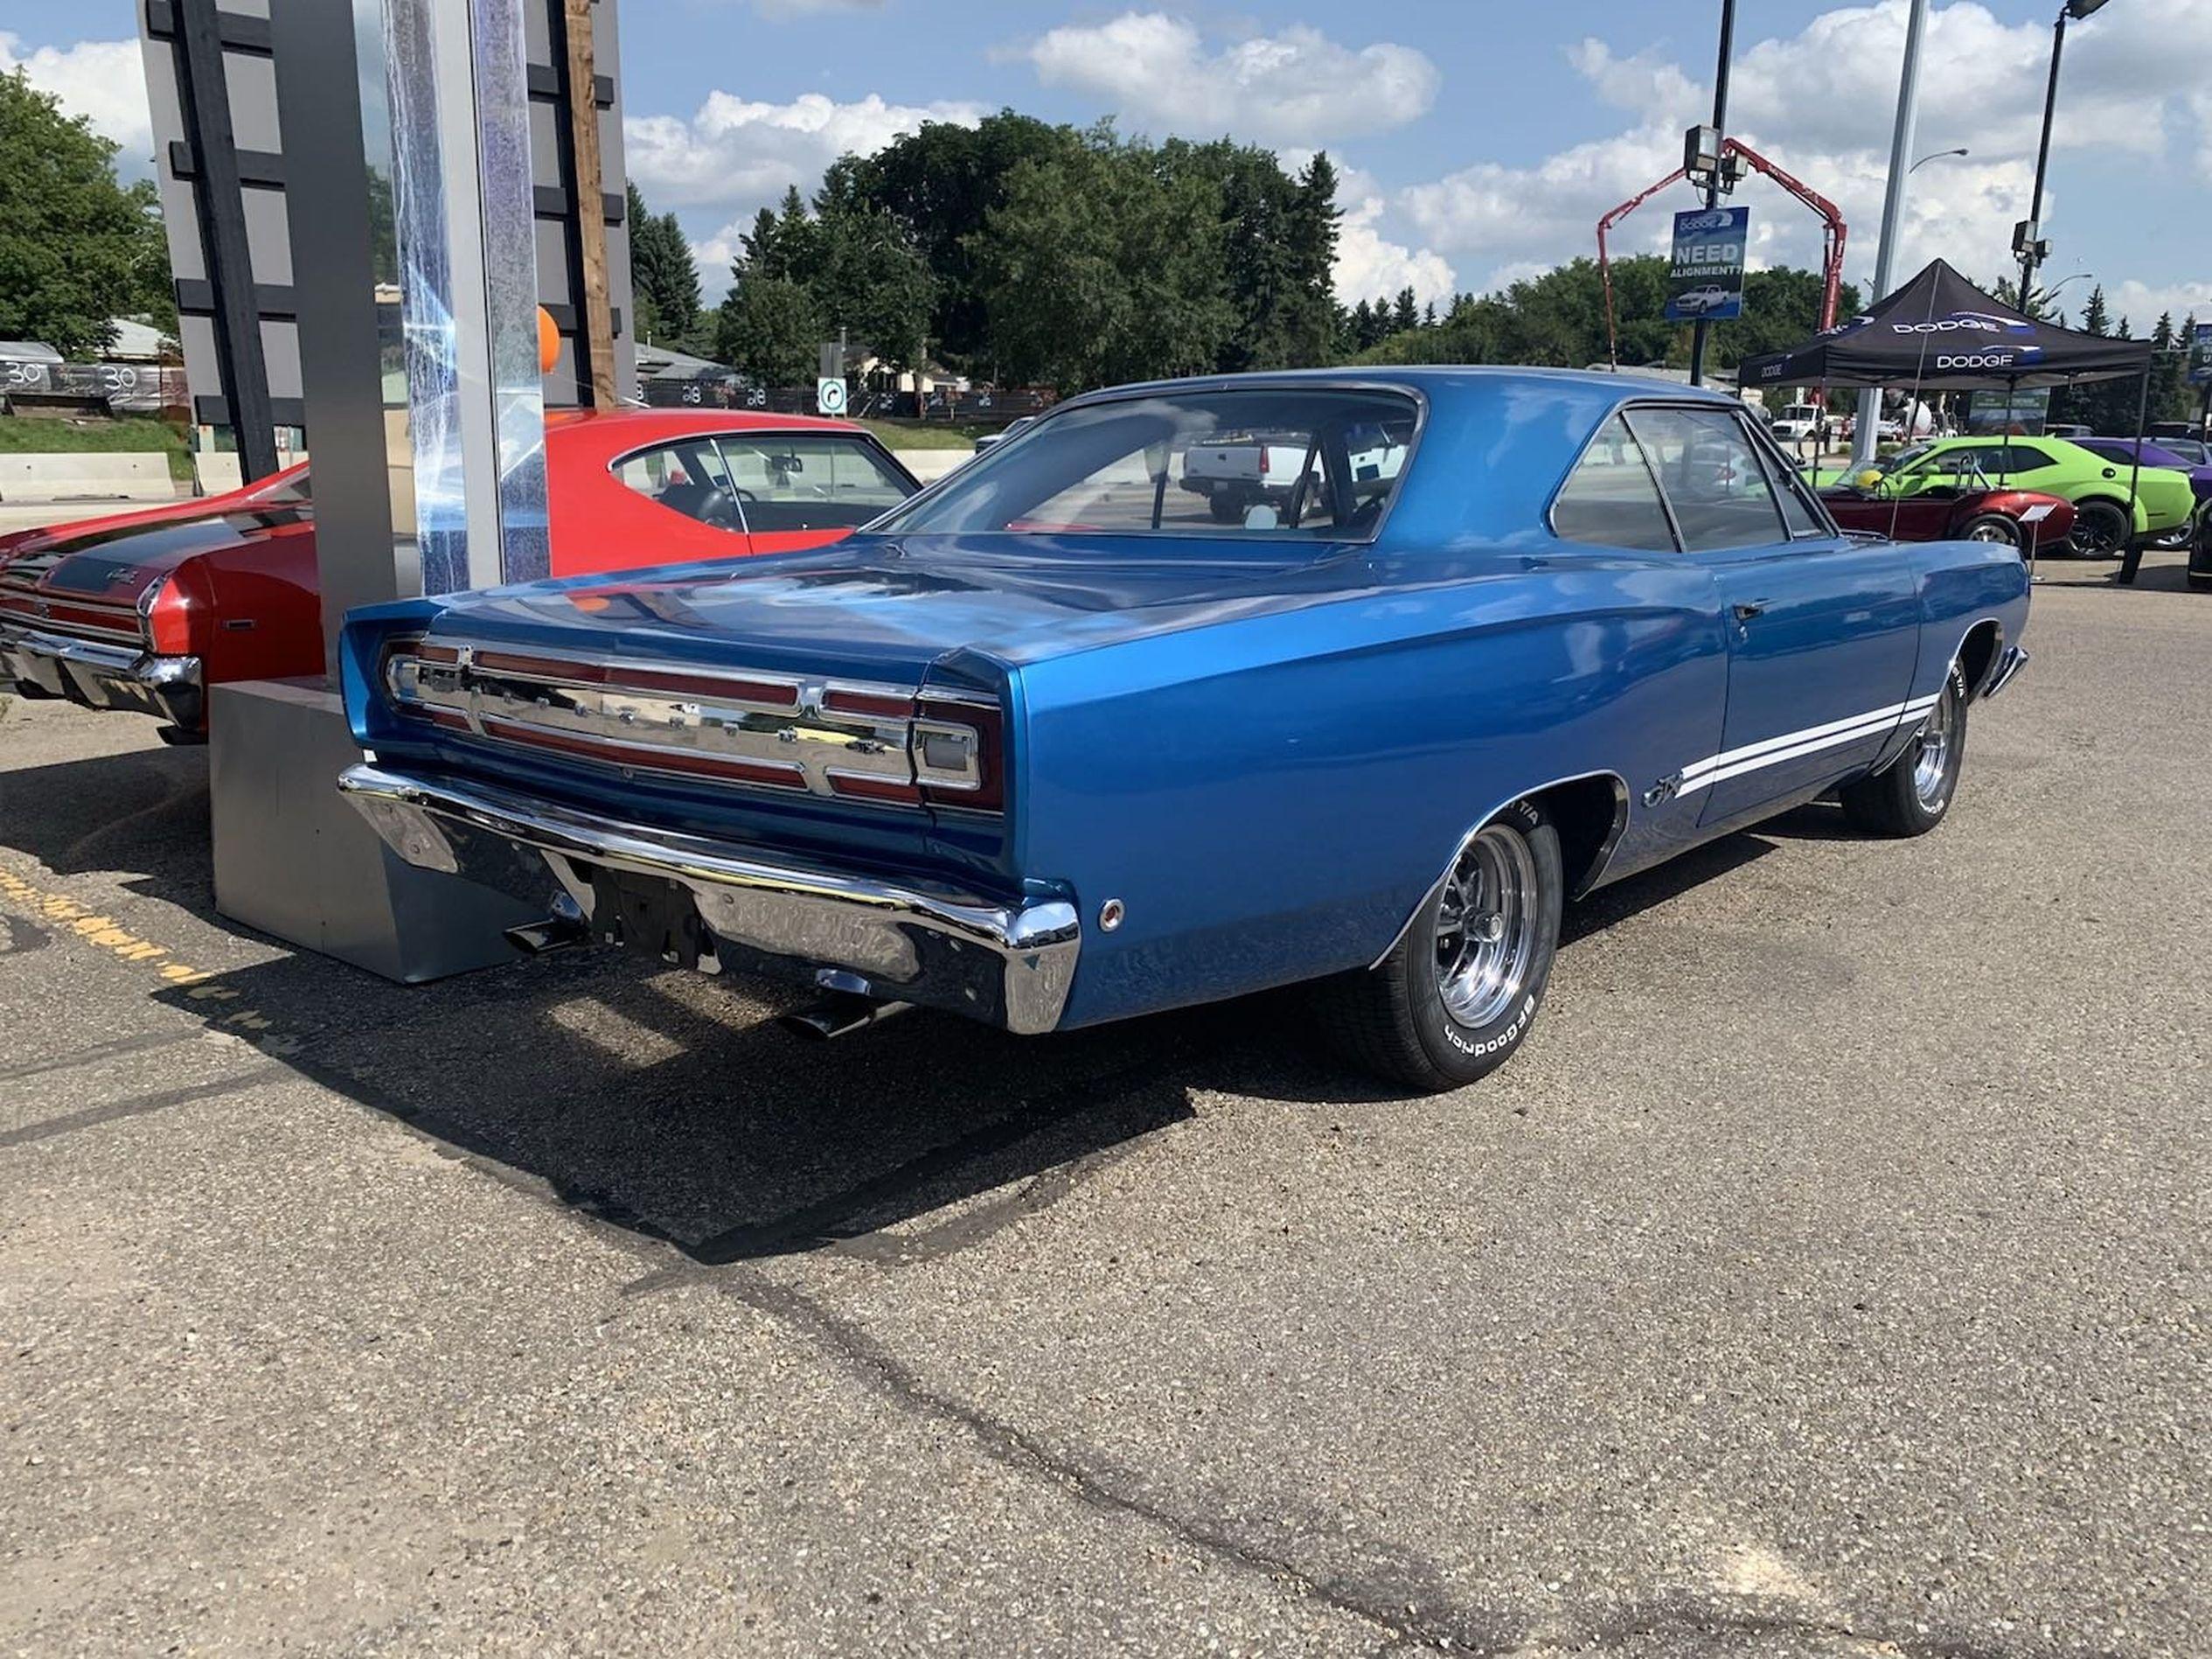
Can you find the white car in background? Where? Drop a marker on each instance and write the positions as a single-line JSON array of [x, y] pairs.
[[1697, 301]]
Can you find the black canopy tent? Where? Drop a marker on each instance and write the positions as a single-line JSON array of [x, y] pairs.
[[1941, 332]]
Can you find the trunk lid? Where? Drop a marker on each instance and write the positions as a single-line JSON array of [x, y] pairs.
[[877, 607]]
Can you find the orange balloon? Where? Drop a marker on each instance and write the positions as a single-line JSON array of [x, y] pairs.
[[548, 342]]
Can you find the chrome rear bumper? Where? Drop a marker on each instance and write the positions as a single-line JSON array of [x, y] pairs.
[[102, 676], [1006, 966]]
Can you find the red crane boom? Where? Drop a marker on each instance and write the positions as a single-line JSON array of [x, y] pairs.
[[1832, 234]]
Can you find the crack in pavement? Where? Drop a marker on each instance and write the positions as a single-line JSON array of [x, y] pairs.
[[136, 1107]]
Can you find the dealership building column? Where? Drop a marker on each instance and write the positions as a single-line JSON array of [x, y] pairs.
[[413, 137]]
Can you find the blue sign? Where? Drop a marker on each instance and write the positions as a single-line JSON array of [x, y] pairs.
[[1705, 282], [2201, 354]]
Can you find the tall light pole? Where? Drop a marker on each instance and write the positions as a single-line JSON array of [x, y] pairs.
[[1868, 430], [1935, 155], [2027, 235], [1713, 179]]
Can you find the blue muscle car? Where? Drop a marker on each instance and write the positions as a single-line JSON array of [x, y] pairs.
[[1054, 742]]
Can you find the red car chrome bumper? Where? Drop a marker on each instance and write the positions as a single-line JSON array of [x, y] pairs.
[[100, 675]]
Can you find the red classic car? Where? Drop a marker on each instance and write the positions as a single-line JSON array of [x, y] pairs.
[[144, 610], [1955, 515]]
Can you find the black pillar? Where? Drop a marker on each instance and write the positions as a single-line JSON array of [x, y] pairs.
[[203, 94]]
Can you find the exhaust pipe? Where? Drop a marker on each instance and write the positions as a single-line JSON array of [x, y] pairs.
[[554, 933], [840, 1014]]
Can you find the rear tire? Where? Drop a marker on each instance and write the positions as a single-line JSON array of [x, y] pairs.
[[1458, 993], [1991, 527], [1910, 795], [2101, 529], [1223, 510]]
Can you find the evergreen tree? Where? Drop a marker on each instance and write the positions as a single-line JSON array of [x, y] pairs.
[[663, 279], [1405, 313], [2095, 319]]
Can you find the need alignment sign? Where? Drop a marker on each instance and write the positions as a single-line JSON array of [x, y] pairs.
[[1706, 282]]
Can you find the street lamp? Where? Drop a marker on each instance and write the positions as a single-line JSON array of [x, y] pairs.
[[2055, 287], [1936, 156], [2027, 235]]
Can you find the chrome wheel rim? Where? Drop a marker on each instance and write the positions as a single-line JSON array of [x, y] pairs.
[[1486, 927], [1933, 750], [1988, 533]]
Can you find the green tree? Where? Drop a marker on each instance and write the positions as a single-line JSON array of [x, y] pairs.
[[1405, 312], [76, 249], [941, 184], [865, 278], [1104, 265], [664, 278], [768, 331]]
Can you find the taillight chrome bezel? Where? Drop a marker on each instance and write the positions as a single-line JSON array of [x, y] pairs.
[[872, 744]]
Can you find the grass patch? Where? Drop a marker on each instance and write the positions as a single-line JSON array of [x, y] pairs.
[[56, 435], [931, 435]]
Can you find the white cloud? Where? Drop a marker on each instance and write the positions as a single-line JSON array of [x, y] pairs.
[[738, 156], [735, 157], [1819, 103], [1369, 264], [102, 80], [1296, 86]]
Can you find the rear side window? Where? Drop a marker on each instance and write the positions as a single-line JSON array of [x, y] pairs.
[[1711, 478], [686, 476], [1609, 500], [808, 483]]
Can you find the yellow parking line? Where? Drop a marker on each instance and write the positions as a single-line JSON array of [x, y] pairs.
[[71, 919]]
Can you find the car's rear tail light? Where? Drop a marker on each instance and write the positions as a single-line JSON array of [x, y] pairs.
[[168, 612], [959, 749]]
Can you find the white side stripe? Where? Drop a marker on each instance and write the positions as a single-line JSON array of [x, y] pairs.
[[1812, 740]]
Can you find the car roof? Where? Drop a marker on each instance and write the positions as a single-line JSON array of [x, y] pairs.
[[1430, 377], [585, 435]]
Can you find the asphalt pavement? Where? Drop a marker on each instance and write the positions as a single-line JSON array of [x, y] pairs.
[[1826, 1277]]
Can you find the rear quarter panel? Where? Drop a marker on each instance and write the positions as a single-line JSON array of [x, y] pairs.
[[1270, 796]]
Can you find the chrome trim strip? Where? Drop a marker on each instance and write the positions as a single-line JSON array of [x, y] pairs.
[[795, 732], [2010, 661], [1011, 965]]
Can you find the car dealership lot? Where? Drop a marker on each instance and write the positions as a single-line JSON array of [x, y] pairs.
[[1826, 1277]]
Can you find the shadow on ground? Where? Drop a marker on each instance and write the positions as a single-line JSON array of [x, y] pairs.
[[673, 1104]]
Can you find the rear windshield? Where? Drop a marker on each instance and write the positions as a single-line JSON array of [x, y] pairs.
[[1320, 463]]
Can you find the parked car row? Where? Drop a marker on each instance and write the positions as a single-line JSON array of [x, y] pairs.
[[1197, 689], [1996, 481], [145, 610]]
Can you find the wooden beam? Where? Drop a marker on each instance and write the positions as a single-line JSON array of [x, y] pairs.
[[591, 228]]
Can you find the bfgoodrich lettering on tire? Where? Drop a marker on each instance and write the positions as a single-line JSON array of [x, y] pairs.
[[1458, 992]]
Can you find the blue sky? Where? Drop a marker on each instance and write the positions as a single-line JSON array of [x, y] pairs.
[[1480, 139]]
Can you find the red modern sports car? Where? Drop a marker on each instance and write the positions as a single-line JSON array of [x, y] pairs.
[[144, 610]]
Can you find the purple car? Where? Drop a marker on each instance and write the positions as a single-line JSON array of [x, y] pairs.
[[2122, 452]]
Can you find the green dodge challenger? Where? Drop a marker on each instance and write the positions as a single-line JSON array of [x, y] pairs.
[[2102, 524]]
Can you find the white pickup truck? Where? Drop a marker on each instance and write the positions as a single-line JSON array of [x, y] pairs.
[[1236, 473]]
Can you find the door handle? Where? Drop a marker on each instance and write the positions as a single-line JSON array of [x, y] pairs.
[[1745, 612]]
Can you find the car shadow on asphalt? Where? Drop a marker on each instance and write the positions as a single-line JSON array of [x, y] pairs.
[[674, 1104]]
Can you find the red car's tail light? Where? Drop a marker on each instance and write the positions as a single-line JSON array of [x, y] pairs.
[[169, 624], [959, 750]]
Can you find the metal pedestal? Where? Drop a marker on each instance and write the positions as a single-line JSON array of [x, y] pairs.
[[294, 858]]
